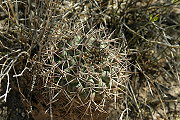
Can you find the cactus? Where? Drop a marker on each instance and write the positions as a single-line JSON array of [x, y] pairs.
[[90, 65]]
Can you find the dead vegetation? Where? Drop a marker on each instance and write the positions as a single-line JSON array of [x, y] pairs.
[[91, 59]]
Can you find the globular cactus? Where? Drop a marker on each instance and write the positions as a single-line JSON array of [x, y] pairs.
[[90, 65]]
